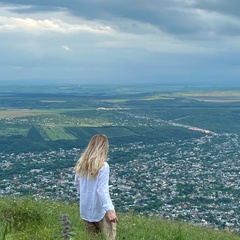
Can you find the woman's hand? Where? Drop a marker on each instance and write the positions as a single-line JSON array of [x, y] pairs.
[[112, 216]]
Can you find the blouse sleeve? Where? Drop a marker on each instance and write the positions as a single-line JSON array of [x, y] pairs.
[[103, 188], [76, 183]]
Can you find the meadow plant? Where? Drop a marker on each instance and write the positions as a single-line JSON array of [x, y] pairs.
[[66, 232], [4, 229], [66, 224]]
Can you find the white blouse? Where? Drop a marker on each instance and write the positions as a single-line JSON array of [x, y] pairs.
[[94, 195]]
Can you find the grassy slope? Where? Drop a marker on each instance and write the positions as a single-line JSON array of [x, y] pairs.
[[32, 219]]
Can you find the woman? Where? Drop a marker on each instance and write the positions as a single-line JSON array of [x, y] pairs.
[[92, 183]]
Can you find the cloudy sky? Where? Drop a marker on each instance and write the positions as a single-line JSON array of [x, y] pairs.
[[120, 41]]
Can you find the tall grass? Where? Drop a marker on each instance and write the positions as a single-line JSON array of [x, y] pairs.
[[30, 219]]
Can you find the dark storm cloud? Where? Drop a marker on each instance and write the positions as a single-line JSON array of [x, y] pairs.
[[230, 7], [113, 40], [181, 18]]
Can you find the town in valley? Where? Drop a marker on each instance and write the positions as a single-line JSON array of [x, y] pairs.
[[192, 175]]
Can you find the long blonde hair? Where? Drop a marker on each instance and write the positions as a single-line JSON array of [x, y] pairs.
[[94, 156]]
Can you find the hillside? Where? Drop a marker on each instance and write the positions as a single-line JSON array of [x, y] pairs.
[[27, 218]]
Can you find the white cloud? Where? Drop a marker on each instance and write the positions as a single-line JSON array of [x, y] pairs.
[[120, 32], [114, 40], [54, 25], [96, 34], [66, 48]]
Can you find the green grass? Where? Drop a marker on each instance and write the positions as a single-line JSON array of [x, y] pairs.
[[26, 218]]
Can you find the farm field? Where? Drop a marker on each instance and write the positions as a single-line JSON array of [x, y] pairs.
[[55, 133], [70, 115], [16, 113]]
